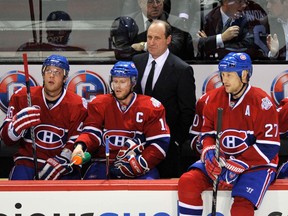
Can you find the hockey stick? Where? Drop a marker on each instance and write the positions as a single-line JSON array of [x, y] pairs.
[[217, 153], [27, 81], [107, 153]]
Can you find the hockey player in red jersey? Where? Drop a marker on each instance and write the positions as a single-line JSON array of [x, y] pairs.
[[249, 142], [283, 130], [195, 129], [131, 125], [56, 115]]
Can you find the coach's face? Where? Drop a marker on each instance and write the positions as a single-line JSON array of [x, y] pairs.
[[157, 43], [152, 8]]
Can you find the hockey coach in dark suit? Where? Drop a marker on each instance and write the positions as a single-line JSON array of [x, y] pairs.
[[172, 82]]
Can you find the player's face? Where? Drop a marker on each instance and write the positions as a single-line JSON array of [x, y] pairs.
[[121, 87], [53, 78], [231, 82], [157, 43]]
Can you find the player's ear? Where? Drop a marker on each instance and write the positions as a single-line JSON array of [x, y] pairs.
[[64, 80], [169, 39], [245, 76]]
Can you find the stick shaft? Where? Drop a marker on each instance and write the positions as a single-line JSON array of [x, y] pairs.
[[107, 153], [27, 81], [217, 153]]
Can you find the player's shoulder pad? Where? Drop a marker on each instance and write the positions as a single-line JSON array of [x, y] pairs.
[[156, 103], [259, 96], [150, 102], [102, 98]]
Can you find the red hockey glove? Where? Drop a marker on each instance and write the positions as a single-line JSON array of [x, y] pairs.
[[131, 147], [24, 119], [57, 166], [131, 167], [233, 168], [213, 167]]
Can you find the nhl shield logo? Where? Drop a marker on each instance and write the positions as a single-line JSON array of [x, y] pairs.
[[213, 81], [279, 87], [9, 83], [87, 84]]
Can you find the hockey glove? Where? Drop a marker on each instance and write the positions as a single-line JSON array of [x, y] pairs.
[[213, 167], [131, 147], [24, 119], [131, 167], [57, 166], [233, 168]]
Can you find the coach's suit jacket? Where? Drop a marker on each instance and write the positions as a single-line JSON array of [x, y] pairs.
[[175, 89], [213, 25]]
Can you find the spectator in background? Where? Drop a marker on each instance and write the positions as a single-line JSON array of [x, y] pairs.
[[57, 116], [278, 20], [173, 84], [123, 33], [58, 29], [234, 25], [258, 26], [130, 6], [181, 44]]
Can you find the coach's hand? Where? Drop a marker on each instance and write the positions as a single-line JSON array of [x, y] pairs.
[[24, 119]]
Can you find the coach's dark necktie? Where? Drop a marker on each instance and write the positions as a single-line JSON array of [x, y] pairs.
[[148, 86], [227, 24]]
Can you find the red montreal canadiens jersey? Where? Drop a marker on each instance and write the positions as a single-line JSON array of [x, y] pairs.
[[249, 127], [283, 116], [195, 129], [59, 127], [108, 124]]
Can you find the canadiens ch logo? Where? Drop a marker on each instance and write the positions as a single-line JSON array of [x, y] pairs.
[[233, 141], [9, 83], [87, 84], [117, 137], [279, 87], [213, 81], [50, 137]]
